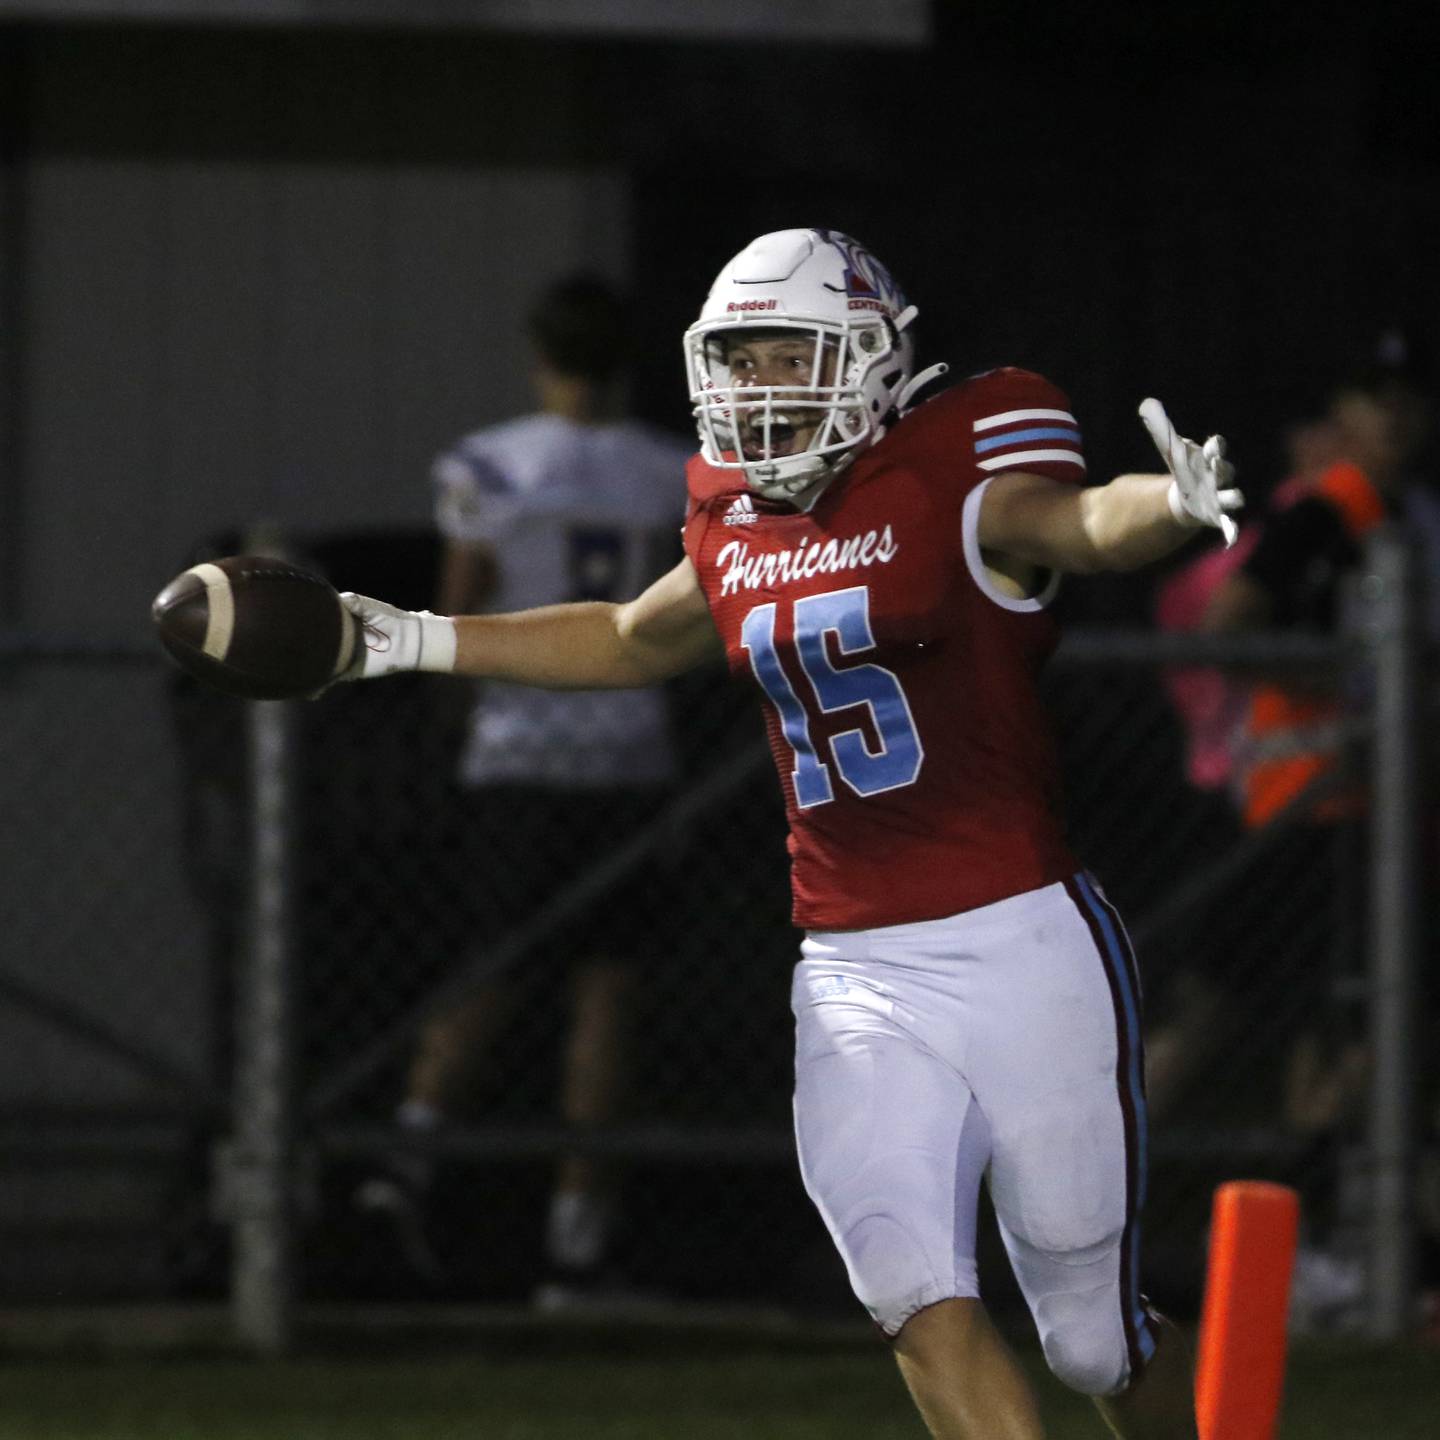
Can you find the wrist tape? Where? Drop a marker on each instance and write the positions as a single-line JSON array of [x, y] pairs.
[[436, 643], [1178, 510]]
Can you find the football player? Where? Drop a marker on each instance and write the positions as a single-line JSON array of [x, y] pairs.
[[966, 1001]]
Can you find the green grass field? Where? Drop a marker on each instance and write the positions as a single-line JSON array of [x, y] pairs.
[[684, 1392]]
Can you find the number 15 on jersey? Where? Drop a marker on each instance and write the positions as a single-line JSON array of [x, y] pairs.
[[846, 615]]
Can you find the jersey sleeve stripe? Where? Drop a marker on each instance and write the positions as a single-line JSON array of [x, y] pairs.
[[1009, 417], [1014, 437], [1018, 459]]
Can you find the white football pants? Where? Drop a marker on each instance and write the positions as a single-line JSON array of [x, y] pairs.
[[1000, 1044]]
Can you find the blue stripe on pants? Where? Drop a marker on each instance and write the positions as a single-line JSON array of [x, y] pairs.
[[1115, 952]]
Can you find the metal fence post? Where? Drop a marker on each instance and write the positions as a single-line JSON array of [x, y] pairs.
[[1394, 639], [260, 1181]]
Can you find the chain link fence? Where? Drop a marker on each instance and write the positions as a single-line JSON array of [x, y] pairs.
[[229, 927], [112, 1066]]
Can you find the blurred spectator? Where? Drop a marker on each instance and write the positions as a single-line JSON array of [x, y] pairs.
[[1381, 420], [1289, 750], [1212, 704], [570, 503]]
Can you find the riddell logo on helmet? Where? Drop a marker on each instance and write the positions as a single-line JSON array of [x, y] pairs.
[[752, 305]]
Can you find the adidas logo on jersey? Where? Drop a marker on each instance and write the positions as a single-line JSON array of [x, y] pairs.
[[742, 512]]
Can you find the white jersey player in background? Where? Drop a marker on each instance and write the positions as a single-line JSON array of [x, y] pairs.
[[572, 503]]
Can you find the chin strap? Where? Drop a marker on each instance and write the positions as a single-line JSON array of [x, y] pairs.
[[917, 384], [815, 486], [809, 482], [800, 479], [913, 387]]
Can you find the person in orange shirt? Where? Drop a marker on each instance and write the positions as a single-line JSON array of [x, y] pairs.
[[1380, 422], [1212, 704], [1292, 579], [1289, 754]]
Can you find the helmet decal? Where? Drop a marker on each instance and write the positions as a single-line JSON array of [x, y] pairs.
[[868, 284]]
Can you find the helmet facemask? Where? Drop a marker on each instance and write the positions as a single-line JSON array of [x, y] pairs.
[[786, 438]]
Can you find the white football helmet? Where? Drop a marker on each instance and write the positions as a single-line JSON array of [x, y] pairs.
[[821, 285]]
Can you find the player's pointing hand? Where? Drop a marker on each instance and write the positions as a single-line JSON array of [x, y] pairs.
[[1201, 492]]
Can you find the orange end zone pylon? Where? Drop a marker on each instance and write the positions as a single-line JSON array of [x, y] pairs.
[[1240, 1364]]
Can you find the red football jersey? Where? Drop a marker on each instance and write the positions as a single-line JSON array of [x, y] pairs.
[[919, 772]]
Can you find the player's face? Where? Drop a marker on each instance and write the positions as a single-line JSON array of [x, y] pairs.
[[778, 359]]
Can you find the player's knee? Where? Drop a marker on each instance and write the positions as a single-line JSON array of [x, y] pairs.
[[1084, 1346], [1090, 1364], [893, 1273]]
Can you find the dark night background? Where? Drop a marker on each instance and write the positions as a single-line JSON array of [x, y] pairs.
[[1222, 206], [245, 275]]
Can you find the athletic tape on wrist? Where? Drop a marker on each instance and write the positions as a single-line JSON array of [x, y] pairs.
[[1178, 510], [438, 643]]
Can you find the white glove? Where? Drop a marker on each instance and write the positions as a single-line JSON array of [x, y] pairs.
[[396, 640], [1201, 492]]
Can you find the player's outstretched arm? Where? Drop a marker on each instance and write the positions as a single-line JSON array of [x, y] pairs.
[[582, 646], [1129, 522]]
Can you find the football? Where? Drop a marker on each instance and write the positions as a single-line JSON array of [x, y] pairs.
[[255, 627]]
